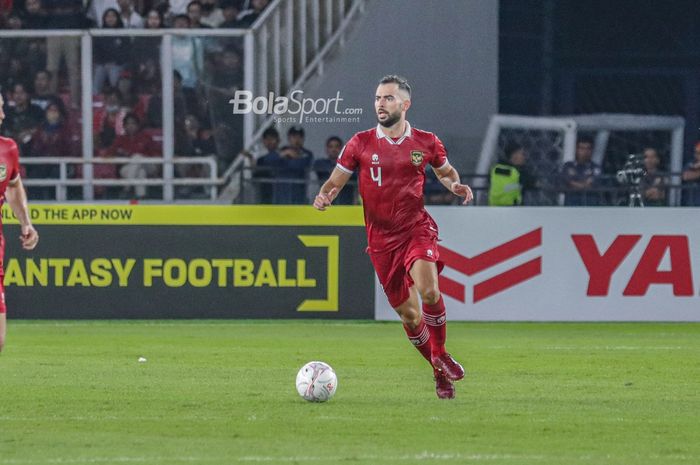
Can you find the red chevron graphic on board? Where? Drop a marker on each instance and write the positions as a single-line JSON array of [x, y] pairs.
[[494, 256]]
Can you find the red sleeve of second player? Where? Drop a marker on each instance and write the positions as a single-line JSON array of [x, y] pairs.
[[439, 154], [349, 156], [14, 168]]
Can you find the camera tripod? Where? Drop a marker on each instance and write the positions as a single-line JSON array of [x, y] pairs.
[[635, 197]]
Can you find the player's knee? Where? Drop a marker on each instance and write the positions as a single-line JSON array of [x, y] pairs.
[[430, 295]]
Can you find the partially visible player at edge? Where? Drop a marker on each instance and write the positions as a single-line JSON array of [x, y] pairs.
[[12, 190], [401, 235]]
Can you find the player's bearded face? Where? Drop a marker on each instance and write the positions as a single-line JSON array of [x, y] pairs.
[[389, 105], [388, 119]]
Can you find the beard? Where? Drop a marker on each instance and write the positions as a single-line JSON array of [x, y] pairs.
[[391, 119]]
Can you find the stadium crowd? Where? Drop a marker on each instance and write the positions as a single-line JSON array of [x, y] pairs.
[[40, 80]]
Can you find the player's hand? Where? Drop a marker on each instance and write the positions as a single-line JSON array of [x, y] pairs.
[[29, 237], [324, 200], [463, 190]]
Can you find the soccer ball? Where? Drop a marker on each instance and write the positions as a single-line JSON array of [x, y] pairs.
[[316, 382]]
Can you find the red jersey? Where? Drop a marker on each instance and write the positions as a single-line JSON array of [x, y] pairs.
[[391, 178], [9, 164]]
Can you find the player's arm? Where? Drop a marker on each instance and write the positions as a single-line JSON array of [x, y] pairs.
[[16, 197], [330, 189], [449, 177]]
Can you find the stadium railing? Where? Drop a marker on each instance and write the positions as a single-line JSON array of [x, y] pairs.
[[64, 180], [281, 50]]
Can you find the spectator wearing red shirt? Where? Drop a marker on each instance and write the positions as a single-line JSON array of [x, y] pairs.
[[135, 144]]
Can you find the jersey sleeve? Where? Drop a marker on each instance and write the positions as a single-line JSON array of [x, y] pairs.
[[13, 172], [439, 154], [350, 155]]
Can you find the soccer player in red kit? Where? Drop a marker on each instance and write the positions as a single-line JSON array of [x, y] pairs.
[[12, 191], [401, 235]]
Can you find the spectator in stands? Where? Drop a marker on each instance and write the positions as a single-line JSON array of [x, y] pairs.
[[212, 15], [581, 175], [223, 82], [22, 118], [267, 167], [130, 98], [200, 140], [96, 10], [199, 143], [12, 68], [510, 177], [33, 16], [135, 144], [154, 20], [296, 161], [146, 56], [230, 10], [110, 54], [188, 56], [182, 104], [130, 18], [248, 17], [110, 120], [178, 7], [52, 139], [31, 51], [691, 177], [324, 166], [64, 14], [42, 94], [194, 11], [653, 184], [14, 21]]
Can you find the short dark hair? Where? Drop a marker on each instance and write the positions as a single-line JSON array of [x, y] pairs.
[[194, 2], [398, 80], [584, 140], [43, 71], [334, 138], [270, 132], [296, 130], [183, 17]]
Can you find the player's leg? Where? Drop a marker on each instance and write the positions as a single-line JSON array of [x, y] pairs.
[[402, 298], [424, 274], [3, 325], [413, 324], [419, 335], [3, 309]]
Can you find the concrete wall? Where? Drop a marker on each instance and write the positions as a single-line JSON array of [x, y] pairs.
[[448, 50]]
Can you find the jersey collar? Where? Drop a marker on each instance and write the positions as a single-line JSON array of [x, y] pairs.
[[407, 133]]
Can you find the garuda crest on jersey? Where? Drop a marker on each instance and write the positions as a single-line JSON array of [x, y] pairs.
[[3, 171], [416, 157]]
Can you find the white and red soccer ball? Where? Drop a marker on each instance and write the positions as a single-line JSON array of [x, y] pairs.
[[316, 382]]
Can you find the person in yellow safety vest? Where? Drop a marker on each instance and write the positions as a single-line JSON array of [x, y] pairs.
[[508, 177]]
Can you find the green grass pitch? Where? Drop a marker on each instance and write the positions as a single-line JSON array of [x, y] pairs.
[[217, 393]]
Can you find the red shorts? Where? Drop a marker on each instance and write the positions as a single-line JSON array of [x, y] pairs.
[[392, 267]]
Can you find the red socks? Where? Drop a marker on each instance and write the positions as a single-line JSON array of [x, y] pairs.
[[420, 338], [434, 316]]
